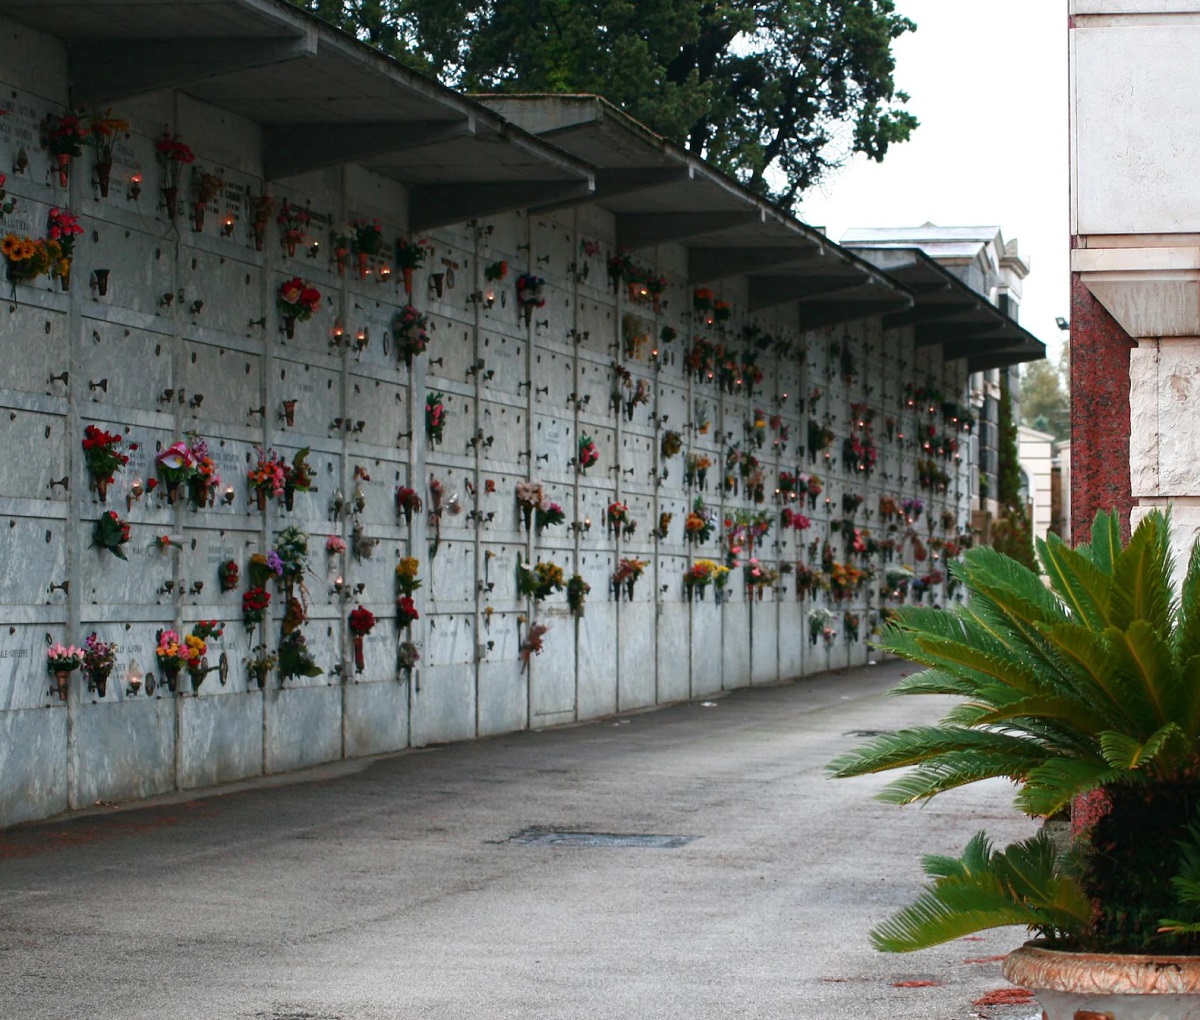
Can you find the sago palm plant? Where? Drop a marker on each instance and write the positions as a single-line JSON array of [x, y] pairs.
[[1089, 685]]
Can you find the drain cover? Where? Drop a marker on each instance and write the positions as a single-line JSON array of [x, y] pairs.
[[868, 733], [592, 840]]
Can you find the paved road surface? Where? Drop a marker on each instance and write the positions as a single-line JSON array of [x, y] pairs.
[[392, 888]]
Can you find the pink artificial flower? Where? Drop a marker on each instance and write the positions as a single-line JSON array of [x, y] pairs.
[[176, 457]]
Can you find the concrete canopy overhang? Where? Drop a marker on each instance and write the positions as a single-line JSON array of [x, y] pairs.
[[321, 97], [661, 194], [950, 314]]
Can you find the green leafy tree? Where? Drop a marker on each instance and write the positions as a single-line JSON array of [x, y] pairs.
[[1012, 533], [1045, 399], [774, 92]]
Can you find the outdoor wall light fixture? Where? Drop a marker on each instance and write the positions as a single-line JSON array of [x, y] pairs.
[[135, 187], [136, 491], [339, 331], [20, 162], [385, 274], [437, 282], [314, 249], [230, 495], [227, 227], [100, 281]]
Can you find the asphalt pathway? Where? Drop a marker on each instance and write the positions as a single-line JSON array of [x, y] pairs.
[[394, 888]]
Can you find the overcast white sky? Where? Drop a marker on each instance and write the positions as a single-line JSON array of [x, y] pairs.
[[988, 82]]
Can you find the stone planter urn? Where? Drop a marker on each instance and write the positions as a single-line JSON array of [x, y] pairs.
[[1103, 986]]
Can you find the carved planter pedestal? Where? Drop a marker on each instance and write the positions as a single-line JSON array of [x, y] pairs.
[[1099, 986]]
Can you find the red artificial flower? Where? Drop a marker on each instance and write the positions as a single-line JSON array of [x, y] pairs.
[[406, 609], [362, 621]]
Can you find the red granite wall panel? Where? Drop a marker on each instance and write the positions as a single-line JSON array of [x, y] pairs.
[[1099, 412]]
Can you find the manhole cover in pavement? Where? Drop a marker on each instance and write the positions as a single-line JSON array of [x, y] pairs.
[[868, 733], [591, 840]]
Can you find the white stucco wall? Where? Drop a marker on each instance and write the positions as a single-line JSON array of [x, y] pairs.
[[1035, 451]]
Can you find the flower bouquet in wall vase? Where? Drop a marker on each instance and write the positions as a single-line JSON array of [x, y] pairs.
[[435, 417], [261, 209], [62, 660], [588, 455], [293, 222], [259, 665], [27, 258], [64, 135], [112, 533], [411, 331], [410, 255], [530, 295], [173, 155], [98, 659], [171, 655], [362, 622], [296, 302], [62, 227], [267, 477], [367, 243], [104, 455], [205, 187], [196, 650], [1079, 687], [176, 466]]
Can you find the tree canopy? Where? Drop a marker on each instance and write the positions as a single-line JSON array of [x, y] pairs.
[[1045, 398], [774, 92]]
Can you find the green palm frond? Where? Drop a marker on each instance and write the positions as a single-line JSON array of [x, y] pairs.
[[1187, 635], [1088, 666], [932, 681], [1142, 587], [989, 889], [1089, 682], [1083, 587], [1105, 545], [1054, 783], [952, 770], [1122, 751], [945, 757], [1187, 886], [1145, 657]]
